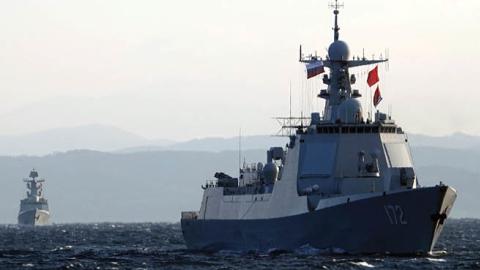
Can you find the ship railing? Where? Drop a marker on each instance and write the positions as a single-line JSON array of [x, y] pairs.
[[190, 215], [210, 184]]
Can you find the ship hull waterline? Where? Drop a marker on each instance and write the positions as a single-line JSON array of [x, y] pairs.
[[408, 222], [34, 217]]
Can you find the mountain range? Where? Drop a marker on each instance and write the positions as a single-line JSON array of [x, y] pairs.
[[133, 179], [111, 139]]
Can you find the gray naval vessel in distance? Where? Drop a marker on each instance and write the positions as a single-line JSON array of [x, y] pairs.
[[34, 208], [341, 183]]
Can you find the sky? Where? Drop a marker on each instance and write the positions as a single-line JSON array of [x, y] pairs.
[[190, 69]]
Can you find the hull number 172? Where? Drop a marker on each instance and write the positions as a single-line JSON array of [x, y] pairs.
[[395, 214]]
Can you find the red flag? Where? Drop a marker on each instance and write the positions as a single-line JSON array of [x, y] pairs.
[[377, 97], [373, 77]]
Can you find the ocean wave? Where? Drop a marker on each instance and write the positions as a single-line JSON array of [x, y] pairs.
[[363, 264]]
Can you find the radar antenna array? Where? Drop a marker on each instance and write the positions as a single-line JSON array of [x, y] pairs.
[[335, 5], [288, 125]]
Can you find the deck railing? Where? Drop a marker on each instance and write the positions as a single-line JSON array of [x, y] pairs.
[[190, 215]]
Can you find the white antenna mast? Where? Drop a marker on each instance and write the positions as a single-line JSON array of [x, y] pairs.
[[387, 55], [290, 112], [240, 150]]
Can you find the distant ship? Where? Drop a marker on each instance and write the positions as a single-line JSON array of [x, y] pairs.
[[34, 208], [344, 182]]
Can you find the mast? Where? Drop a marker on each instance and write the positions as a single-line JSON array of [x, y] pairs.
[[34, 185], [339, 80], [240, 151], [336, 29]]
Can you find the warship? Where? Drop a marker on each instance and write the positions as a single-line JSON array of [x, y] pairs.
[[343, 182], [34, 208]]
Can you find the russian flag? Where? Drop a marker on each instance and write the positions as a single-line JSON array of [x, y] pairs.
[[315, 68]]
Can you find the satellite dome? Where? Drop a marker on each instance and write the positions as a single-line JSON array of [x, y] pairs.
[[350, 111], [338, 50]]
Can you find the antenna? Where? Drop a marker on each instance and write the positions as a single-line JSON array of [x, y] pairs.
[[300, 57], [387, 55], [240, 150], [335, 7], [370, 104], [290, 109]]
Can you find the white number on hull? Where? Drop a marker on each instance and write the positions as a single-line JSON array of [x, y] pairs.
[[395, 214]]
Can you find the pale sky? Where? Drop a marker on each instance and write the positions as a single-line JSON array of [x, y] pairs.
[[187, 68]]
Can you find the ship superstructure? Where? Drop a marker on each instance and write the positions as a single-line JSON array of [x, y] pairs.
[[34, 208], [344, 182]]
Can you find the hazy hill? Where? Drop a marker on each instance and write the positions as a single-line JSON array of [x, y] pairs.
[[466, 183], [93, 137], [464, 159], [112, 139], [216, 144], [90, 186], [154, 180], [454, 141]]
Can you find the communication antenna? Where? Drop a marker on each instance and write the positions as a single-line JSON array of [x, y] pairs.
[[387, 55], [335, 5], [290, 109], [370, 104], [240, 150]]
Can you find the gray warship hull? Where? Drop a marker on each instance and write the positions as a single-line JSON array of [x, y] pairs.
[[34, 217], [407, 222]]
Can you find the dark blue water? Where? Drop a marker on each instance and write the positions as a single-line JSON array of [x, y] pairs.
[[161, 246]]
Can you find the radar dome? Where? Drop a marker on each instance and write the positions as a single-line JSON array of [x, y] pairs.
[[350, 111], [338, 50]]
